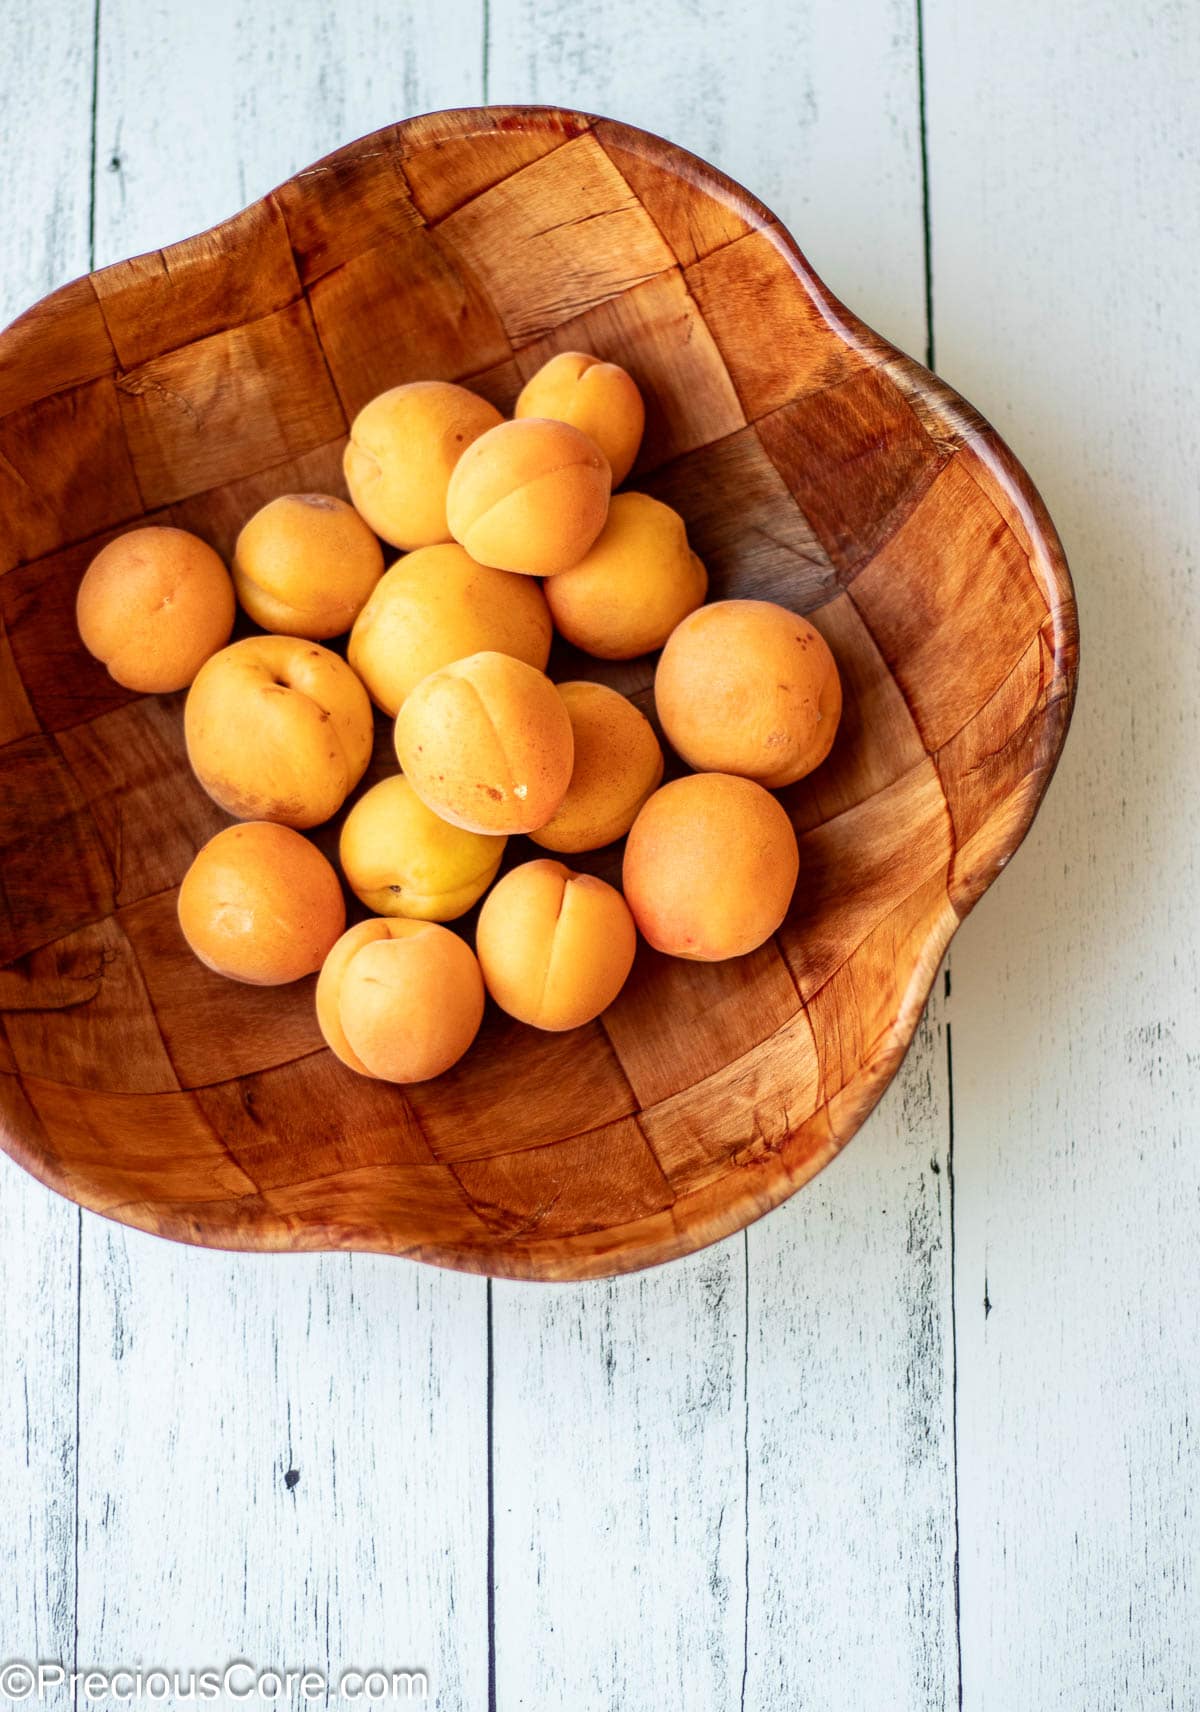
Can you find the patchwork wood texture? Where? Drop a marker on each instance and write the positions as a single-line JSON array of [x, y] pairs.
[[815, 465]]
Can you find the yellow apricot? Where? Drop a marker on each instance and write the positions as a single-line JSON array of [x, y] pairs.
[[278, 728], [305, 564], [402, 450], [627, 594], [617, 764], [437, 605], [400, 858]]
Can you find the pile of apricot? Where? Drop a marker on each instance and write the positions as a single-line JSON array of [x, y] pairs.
[[507, 531]]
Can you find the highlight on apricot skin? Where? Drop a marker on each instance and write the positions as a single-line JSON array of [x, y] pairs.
[[529, 496], [436, 606], [261, 904], [710, 867], [486, 743], [153, 606], [304, 565], [627, 594], [399, 858], [278, 728], [745, 686], [600, 398], [400, 1000], [402, 450], [555, 947], [617, 764]]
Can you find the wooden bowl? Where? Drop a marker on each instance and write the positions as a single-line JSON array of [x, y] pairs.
[[815, 465]]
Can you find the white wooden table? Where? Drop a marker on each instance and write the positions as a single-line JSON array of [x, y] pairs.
[[927, 1437]]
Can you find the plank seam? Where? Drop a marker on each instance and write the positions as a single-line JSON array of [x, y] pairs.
[[953, 1353], [490, 1411], [925, 214]]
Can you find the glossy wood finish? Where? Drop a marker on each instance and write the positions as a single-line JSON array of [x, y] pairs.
[[815, 465]]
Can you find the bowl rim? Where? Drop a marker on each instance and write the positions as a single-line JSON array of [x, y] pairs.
[[659, 1237]]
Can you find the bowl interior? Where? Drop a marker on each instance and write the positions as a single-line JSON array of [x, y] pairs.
[[814, 465]]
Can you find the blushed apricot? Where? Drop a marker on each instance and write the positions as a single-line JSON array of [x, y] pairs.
[[600, 398], [710, 867], [627, 594], [400, 1000], [555, 947], [617, 764], [486, 742], [402, 450], [261, 904], [436, 606], [745, 686], [305, 564], [278, 728], [400, 858], [529, 496], [153, 606]]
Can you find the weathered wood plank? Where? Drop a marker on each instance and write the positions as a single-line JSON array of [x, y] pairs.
[[211, 1382], [618, 1509], [851, 1549], [281, 1459], [203, 108], [620, 1490], [1065, 148], [45, 89]]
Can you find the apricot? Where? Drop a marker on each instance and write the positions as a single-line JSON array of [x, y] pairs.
[[400, 858], [710, 867], [153, 606], [305, 564], [436, 606], [278, 728], [628, 593], [600, 398], [402, 449], [529, 496], [486, 743], [400, 1000], [555, 947], [261, 904], [745, 686], [617, 764]]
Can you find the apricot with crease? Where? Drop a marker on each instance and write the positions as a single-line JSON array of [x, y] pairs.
[[486, 743], [529, 496], [555, 947], [600, 398]]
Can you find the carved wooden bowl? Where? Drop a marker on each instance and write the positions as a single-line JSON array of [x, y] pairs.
[[815, 465]]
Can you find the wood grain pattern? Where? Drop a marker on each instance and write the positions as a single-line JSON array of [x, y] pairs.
[[816, 108], [1077, 987], [938, 575], [312, 1397], [327, 1415], [45, 66]]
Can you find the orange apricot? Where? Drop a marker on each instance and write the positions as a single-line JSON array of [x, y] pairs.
[[710, 867], [261, 904], [555, 947]]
